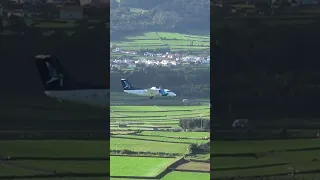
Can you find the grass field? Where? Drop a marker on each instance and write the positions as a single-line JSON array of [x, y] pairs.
[[53, 157], [266, 158], [137, 166], [50, 158], [157, 40], [186, 175], [143, 135]]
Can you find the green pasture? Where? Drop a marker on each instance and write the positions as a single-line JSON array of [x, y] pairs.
[[143, 109], [163, 139], [157, 112], [267, 171], [271, 157], [142, 138], [191, 135], [54, 148], [147, 146], [161, 117], [138, 166], [235, 147], [174, 41], [33, 149], [34, 167], [176, 175]]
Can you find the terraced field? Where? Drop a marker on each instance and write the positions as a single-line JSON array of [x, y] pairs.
[[144, 139], [137, 166], [161, 40], [266, 158], [54, 158]]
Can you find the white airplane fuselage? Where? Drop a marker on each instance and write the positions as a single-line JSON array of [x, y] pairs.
[[149, 92], [94, 97]]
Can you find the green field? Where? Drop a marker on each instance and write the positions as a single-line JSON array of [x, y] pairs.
[[186, 175], [53, 157], [157, 40], [147, 146], [137, 166], [266, 157], [147, 131], [45, 148]]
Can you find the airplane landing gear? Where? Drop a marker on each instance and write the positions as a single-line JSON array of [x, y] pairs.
[[151, 97]]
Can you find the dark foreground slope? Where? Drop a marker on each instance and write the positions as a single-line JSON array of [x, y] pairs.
[[23, 104]]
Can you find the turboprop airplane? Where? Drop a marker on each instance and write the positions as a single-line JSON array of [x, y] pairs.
[[151, 92], [58, 85]]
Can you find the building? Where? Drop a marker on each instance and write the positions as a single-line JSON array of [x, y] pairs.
[[71, 12], [16, 12]]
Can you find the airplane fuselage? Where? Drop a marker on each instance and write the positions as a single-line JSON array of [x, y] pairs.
[[149, 92], [94, 97]]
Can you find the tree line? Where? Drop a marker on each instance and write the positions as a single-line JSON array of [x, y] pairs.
[[167, 15]]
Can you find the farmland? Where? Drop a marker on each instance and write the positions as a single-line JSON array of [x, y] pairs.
[[54, 158], [144, 144], [164, 40], [286, 149], [38, 139], [275, 158]]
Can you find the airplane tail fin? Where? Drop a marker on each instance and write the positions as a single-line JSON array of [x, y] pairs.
[[52, 75], [126, 84]]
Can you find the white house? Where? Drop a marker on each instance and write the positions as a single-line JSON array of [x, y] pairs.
[[132, 65], [71, 12]]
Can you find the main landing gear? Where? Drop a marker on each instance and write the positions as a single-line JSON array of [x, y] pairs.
[[151, 97]]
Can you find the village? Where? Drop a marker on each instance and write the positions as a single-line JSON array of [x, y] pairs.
[[140, 59]]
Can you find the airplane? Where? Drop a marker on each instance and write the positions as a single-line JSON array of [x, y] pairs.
[[58, 85], [151, 92]]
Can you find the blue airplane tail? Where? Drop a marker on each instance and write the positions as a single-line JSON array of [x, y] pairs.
[[126, 85], [52, 75]]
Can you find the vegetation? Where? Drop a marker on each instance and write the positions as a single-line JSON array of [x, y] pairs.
[[164, 42], [135, 16]]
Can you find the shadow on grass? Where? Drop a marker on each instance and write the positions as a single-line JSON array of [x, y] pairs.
[[248, 167], [262, 154], [276, 176], [189, 170], [145, 139], [47, 173], [17, 158], [57, 175]]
